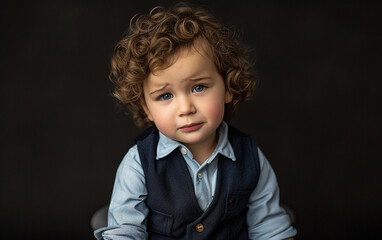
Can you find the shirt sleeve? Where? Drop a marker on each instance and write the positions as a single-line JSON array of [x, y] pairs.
[[127, 211], [265, 218]]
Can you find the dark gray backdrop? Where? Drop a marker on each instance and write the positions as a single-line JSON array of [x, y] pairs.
[[316, 112]]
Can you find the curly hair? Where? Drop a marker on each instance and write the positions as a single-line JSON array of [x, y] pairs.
[[154, 37]]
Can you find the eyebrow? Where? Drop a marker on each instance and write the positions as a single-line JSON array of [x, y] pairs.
[[158, 90], [200, 78], [190, 79]]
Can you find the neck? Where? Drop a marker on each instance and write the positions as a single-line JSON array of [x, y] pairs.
[[202, 151]]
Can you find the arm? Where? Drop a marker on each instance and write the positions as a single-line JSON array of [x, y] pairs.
[[127, 210], [265, 218]]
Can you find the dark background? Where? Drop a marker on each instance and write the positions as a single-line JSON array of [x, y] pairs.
[[316, 112]]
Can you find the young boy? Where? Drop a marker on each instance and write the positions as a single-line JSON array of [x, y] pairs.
[[190, 175]]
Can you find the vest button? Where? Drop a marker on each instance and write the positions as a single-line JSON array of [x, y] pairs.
[[231, 201], [199, 227]]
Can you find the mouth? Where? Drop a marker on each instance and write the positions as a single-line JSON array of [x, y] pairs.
[[191, 127]]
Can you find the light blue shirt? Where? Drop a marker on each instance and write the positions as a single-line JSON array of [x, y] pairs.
[[128, 210]]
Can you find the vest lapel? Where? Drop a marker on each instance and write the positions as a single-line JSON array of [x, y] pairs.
[[178, 162]]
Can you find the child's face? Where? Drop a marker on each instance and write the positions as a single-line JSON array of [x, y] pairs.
[[186, 100]]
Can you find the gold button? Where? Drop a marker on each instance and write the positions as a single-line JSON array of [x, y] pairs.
[[231, 201], [199, 227]]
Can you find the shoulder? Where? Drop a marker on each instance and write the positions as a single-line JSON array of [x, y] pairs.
[[130, 160], [132, 153], [235, 135], [150, 131], [247, 141], [236, 132]]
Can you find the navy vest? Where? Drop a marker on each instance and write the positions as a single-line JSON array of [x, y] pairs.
[[174, 212]]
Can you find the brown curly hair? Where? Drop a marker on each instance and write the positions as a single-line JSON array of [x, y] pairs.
[[154, 37]]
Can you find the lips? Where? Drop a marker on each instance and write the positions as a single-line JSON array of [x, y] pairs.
[[191, 127]]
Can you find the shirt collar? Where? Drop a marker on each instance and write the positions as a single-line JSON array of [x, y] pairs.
[[167, 145]]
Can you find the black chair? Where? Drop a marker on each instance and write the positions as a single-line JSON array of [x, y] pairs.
[[99, 218]]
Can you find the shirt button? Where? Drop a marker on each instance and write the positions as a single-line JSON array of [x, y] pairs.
[[199, 227], [183, 151], [200, 175]]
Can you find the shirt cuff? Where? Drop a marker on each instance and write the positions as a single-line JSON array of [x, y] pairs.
[[120, 232]]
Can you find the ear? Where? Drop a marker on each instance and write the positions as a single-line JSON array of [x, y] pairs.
[[147, 111], [228, 97]]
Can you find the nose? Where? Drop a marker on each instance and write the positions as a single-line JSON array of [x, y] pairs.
[[185, 106]]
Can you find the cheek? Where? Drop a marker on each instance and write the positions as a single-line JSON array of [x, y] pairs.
[[163, 119], [215, 111]]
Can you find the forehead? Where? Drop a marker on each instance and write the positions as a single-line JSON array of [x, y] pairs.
[[199, 50], [188, 63], [199, 45]]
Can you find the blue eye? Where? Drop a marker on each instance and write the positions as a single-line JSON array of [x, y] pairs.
[[166, 96], [199, 88]]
